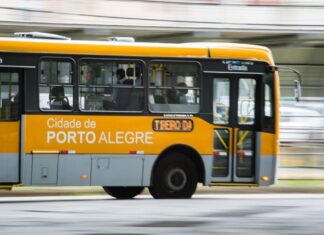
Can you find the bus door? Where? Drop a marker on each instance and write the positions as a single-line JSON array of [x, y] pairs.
[[10, 109], [234, 108]]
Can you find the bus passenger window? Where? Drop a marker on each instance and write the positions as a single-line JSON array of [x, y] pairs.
[[174, 87], [111, 86], [56, 86], [9, 96]]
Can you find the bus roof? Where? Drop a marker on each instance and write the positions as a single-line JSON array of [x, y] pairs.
[[183, 50]]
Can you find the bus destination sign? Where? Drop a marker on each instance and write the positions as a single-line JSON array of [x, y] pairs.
[[238, 65], [173, 125]]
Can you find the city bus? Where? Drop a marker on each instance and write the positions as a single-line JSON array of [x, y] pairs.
[[181, 114]]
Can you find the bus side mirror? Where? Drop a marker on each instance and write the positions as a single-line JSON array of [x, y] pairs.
[[297, 82], [297, 90]]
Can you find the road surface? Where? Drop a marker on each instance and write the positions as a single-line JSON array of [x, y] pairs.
[[203, 214]]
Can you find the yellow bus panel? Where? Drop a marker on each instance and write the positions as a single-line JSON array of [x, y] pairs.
[[101, 48], [112, 134], [9, 137], [119, 135], [239, 51], [186, 50]]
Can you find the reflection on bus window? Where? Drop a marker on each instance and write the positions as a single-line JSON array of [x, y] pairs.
[[246, 101], [56, 87], [268, 106], [221, 101], [9, 96], [111, 86], [174, 87], [268, 101]]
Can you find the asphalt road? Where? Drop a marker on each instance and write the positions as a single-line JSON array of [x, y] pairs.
[[204, 214]]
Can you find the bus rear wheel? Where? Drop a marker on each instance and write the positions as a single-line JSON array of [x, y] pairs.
[[123, 192], [175, 176]]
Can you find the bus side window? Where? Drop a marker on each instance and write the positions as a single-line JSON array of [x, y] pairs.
[[55, 85], [174, 87], [109, 89], [9, 96], [268, 106]]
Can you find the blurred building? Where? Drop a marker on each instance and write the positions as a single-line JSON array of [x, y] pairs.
[[293, 29]]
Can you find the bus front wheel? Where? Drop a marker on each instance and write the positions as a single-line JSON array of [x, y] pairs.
[[175, 176], [123, 192]]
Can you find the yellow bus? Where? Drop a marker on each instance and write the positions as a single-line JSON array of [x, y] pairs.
[[129, 115]]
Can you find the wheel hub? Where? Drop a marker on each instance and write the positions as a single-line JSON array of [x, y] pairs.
[[176, 179]]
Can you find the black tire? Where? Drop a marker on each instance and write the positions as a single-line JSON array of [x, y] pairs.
[[175, 176], [123, 192]]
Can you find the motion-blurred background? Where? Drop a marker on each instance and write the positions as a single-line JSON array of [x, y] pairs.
[[292, 29]]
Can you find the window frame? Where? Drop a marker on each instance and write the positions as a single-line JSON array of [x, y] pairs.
[[73, 82], [255, 102], [258, 99], [20, 90], [269, 79], [122, 60], [230, 90], [166, 61]]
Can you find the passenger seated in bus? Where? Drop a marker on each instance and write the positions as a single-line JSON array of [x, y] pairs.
[[139, 76], [133, 99], [121, 95], [182, 93], [158, 97], [137, 80], [111, 96], [128, 98], [108, 99], [172, 97], [177, 96], [58, 100]]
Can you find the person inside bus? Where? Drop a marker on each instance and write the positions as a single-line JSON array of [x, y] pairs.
[[122, 95], [121, 76], [177, 96], [172, 97], [58, 100], [111, 97], [182, 93], [136, 100]]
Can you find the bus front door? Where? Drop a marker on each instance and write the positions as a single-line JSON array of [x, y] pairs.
[[9, 125], [235, 106]]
